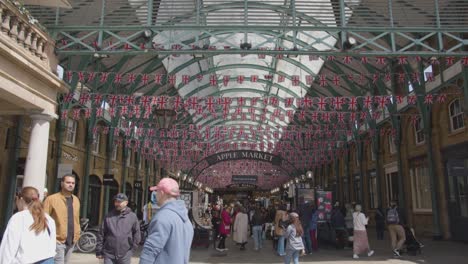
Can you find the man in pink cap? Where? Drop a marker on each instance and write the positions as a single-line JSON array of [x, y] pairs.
[[170, 231]]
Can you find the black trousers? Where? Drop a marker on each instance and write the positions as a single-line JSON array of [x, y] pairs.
[[222, 242]]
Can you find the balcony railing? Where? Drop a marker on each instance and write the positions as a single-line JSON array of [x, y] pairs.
[[20, 26]]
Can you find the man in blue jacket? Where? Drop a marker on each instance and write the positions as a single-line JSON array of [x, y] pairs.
[[170, 232]]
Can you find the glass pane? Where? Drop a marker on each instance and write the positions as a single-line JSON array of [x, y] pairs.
[[462, 195]]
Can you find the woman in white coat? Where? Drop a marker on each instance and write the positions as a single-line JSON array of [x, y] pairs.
[[30, 234], [241, 228]]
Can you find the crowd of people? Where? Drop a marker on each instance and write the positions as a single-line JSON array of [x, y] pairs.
[[47, 231], [295, 232]]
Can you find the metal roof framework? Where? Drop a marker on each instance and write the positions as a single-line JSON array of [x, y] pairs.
[[210, 37]]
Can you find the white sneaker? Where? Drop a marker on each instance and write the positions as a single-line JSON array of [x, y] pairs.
[[355, 256], [370, 253]]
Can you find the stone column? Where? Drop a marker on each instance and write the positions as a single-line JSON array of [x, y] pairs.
[[35, 171]]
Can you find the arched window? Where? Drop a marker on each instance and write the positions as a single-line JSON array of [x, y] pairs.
[[419, 131], [456, 115]]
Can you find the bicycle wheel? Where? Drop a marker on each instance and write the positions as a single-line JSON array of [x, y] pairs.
[[87, 242]]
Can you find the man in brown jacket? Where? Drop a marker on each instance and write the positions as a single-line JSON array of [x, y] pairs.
[[64, 208]]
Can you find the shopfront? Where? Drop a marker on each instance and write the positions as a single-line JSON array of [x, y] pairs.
[[456, 165]]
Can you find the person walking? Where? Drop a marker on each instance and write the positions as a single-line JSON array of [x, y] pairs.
[[170, 232], [30, 234], [241, 228], [293, 234], [380, 223], [119, 235], [338, 224], [361, 241], [313, 227], [307, 210], [395, 228], [258, 223], [64, 208], [281, 219], [349, 218], [224, 228]]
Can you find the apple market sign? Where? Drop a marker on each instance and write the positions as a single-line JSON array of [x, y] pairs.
[[275, 160], [244, 154]]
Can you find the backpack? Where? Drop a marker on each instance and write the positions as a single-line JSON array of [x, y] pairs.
[[392, 216]]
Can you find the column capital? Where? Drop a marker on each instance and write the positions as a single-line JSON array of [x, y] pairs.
[[41, 117]]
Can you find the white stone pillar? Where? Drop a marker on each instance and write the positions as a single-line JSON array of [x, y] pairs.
[[35, 171]]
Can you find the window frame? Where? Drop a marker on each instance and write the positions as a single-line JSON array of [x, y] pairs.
[[452, 116], [71, 130], [391, 144], [96, 146], [357, 188], [115, 151], [416, 190], [373, 193], [419, 124]]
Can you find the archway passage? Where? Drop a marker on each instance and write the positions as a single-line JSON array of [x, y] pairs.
[[242, 169]]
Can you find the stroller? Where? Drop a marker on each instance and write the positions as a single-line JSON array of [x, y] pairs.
[[412, 245]]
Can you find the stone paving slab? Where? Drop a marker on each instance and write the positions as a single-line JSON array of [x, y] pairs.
[[434, 252]]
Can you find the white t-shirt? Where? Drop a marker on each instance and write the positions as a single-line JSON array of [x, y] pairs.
[[359, 221], [21, 245]]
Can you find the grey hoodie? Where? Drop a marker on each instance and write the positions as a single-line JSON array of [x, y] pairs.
[[169, 237], [119, 234]]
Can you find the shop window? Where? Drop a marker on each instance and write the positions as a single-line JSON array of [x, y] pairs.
[[72, 126], [419, 131], [357, 188], [114, 152], [345, 190], [456, 115], [374, 198], [391, 177], [127, 162], [356, 157], [96, 143], [391, 144], [372, 152], [421, 188]]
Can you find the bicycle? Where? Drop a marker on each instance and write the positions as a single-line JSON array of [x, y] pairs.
[[88, 239]]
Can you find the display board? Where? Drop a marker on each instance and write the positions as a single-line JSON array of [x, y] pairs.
[[324, 205], [305, 196]]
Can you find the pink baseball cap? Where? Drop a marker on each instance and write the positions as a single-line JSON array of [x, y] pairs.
[[168, 186]]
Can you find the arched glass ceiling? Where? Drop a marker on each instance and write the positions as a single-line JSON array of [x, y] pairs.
[[262, 13]]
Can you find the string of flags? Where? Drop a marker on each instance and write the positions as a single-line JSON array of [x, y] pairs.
[[64, 44], [212, 103], [326, 109], [323, 80]]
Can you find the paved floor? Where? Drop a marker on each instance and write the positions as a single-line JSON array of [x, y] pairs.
[[434, 252]]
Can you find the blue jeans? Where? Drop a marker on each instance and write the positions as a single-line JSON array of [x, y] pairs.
[[257, 236], [63, 253], [46, 261], [307, 240], [280, 249], [291, 254]]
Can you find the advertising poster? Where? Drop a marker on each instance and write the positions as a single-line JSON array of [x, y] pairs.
[[305, 196], [324, 205]]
